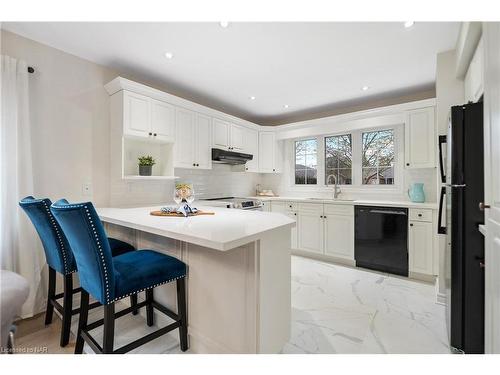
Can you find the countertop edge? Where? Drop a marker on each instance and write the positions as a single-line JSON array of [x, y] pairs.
[[220, 246], [360, 202]]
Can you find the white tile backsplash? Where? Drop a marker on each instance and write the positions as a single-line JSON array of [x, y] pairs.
[[221, 180]]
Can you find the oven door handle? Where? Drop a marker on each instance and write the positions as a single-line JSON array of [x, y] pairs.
[[387, 212], [441, 228]]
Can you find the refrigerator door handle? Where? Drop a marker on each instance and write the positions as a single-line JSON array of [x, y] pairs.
[[441, 228], [442, 139], [456, 185]]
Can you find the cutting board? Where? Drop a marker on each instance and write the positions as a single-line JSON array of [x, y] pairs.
[[175, 214]]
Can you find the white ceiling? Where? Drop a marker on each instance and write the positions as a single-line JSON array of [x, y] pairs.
[[308, 66]]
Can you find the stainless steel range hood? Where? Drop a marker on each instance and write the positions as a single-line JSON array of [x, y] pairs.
[[230, 157]]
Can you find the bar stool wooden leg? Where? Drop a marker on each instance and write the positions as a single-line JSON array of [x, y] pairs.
[[82, 323], [109, 328], [50, 296], [149, 307], [67, 309], [182, 312], [133, 302]]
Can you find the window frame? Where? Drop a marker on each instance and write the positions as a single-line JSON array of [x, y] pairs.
[[295, 161], [362, 132], [325, 137], [356, 175]]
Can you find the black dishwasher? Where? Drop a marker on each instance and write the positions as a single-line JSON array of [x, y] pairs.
[[381, 239]]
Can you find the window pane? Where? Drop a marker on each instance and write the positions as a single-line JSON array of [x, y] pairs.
[[386, 175], [306, 161], [378, 157], [370, 176], [311, 161], [338, 156]]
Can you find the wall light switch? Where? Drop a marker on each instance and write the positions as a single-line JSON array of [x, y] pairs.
[[87, 189]]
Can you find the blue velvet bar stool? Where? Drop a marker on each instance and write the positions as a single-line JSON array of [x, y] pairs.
[[109, 279], [60, 259]]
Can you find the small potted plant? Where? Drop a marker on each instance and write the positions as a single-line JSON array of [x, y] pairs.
[[146, 165]]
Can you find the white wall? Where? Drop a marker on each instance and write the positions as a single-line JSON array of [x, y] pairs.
[[218, 182], [70, 120]]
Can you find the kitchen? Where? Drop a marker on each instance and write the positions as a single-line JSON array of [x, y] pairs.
[[331, 224]]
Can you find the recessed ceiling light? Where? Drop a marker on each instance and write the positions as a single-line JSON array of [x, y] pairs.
[[286, 106], [169, 55], [252, 98], [224, 24], [409, 24], [365, 88]]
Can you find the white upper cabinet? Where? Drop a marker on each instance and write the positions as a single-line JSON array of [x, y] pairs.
[[474, 79], [420, 139], [148, 118], [228, 136], [237, 134], [221, 133], [203, 152], [192, 144], [162, 120], [185, 144], [252, 147], [136, 114], [270, 153]]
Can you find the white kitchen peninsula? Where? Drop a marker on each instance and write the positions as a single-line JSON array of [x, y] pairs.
[[238, 273]]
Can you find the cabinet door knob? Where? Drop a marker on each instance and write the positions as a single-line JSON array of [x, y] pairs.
[[154, 134], [407, 164], [197, 164], [150, 133], [419, 215], [194, 165], [482, 206], [411, 224], [295, 213]]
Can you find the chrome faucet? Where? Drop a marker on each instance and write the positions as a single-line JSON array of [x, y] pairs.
[[336, 187]]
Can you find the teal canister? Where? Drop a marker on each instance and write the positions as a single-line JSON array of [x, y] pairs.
[[416, 193]]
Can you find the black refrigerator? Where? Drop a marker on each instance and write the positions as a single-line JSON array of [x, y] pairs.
[[464, 256]]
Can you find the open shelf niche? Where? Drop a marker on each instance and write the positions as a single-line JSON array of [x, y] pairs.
[[163, 153]]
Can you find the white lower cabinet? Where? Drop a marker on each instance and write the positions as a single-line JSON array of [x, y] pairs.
[[420, 247], [289, 209], [339, 236], [310, 227], [266, 206]]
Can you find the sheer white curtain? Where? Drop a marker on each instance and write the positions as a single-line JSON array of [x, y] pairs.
[[20, 249]]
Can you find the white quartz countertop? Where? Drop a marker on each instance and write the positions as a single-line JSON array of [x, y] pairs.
[[227, 229], [358, 202]]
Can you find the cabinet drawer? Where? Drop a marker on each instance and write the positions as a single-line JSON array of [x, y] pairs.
[[420, 214], [311, 208], [339, 209]]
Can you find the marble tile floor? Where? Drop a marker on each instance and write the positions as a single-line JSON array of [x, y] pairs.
[[335, 309], [338, 309]]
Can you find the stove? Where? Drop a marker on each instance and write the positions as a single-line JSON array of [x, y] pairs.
[[233, 202]]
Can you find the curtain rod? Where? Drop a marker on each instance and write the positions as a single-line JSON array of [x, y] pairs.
[[31, 69]]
